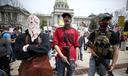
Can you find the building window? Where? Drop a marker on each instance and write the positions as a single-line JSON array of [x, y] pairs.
[[19, 19], [6, 16], [62, 5], [11, 16], [0, 16], [58, 6]]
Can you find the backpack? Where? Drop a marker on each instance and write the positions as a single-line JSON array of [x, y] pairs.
[[102, 44]]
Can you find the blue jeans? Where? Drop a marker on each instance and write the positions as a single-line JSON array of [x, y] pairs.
[[61, 65], [81, 53], [100, 68]]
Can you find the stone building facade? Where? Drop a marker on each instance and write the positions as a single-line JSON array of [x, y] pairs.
[[12, 14]]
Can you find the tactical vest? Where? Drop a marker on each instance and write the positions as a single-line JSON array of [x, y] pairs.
[[102, 44]]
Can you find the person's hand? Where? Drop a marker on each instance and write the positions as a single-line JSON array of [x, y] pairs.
[[77, 62], [64, 58], [111, 68], [25, 47]]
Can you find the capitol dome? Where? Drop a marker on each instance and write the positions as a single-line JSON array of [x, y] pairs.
[[61, 4]]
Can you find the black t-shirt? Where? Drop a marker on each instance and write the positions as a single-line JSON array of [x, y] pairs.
[[114, 39]]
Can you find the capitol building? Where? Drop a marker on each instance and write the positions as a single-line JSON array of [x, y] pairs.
[[60, 7], [13, 14]]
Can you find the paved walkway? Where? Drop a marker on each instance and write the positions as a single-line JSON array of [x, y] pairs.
[[117, 72], [121, 63], [83, 65], [123, 58]]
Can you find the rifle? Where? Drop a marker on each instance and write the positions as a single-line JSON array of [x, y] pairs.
[[100, 58], [91, 45], [67, 52]]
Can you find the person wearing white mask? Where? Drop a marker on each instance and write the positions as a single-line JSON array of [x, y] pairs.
[[32, 48]]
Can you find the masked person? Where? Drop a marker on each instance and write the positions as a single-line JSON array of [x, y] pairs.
[[32, 48], [102, 44], [66, 44]]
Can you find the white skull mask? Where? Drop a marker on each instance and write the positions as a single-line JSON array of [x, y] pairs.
[[33, 21], [33, 26]]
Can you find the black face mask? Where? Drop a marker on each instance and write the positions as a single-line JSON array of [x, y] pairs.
[[103, 26]]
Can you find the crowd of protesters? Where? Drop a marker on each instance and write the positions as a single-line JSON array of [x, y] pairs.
[[33, 47], [7, 40]]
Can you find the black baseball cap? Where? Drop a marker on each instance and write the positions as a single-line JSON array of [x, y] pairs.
[[66, 14]]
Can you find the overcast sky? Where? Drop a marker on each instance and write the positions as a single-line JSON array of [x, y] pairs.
[[81, 7]]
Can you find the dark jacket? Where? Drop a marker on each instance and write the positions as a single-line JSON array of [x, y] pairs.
[[5, 48], [35, 48]]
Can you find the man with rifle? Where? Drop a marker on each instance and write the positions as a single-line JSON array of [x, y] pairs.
[[66, 44], [103, 44]]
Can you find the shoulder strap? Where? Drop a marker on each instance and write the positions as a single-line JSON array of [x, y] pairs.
[[65, 39], [96, 33], [109, 33]]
